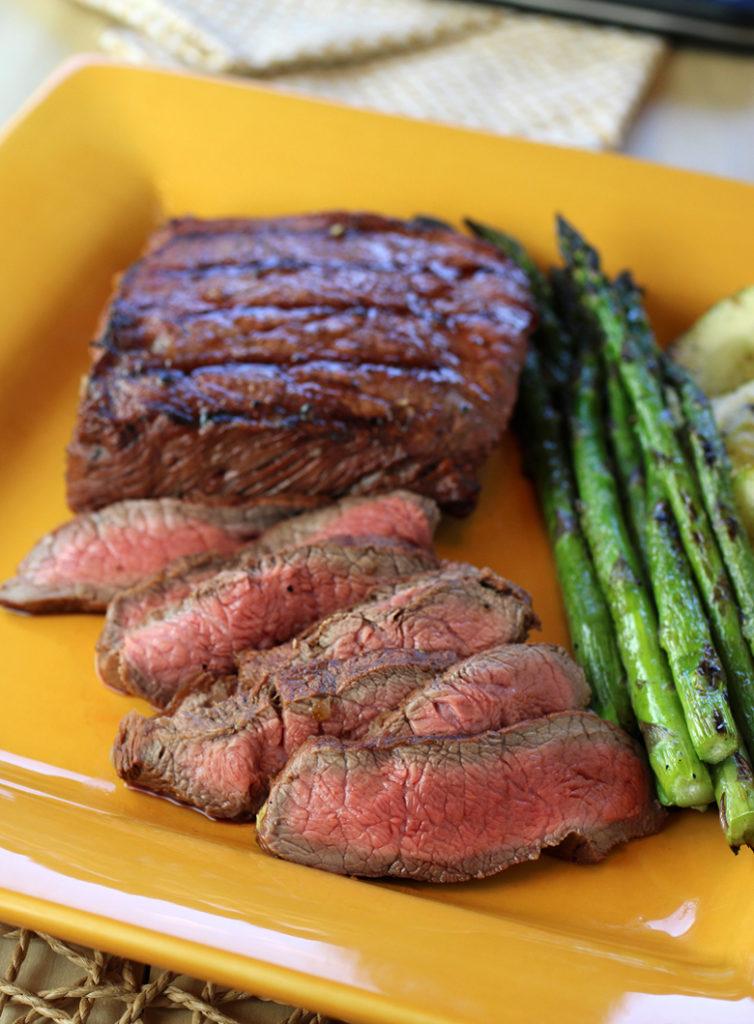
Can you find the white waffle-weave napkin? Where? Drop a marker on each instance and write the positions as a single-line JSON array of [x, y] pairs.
[[467, 64]]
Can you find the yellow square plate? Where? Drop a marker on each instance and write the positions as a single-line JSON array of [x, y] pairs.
[[662, 931]]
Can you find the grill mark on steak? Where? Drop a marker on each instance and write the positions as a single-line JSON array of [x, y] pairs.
[[190, 394], [284, 265], [331, 391], [190, 241], [85, 562], [499, 687], [258, 604], [430, 299], [305, 416], [350, 336], [448, 809]]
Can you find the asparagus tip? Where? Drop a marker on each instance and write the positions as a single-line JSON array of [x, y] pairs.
[[573, 246]]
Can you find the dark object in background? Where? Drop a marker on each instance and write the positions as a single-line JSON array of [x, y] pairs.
[[725, 23]]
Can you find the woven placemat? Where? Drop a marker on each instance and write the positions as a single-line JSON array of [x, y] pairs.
[[45, 979], [472, 65]]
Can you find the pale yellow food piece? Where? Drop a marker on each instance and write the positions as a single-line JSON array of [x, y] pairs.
[[734, 413], [719, 349]]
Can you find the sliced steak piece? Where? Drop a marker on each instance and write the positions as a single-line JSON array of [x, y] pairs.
[[335, 676], [499, 687], [251, 604], [446, 809], [216, 752], [341, 697], [397, 515], [80, 566], [459, 608], [400, 515], [219, 745], [329, 354]]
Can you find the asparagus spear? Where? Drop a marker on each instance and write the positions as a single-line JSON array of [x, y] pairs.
[[628, 459], [656, 433], [714, 473], [682, 778], [543, 436], [733, 780], [589, 622], [685, 635], [684, 631], [710, 459]]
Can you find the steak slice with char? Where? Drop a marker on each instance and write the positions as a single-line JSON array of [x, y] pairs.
[[447, 809], [85, 562], [217, 746], [251, 604], [328, 354], [499, 687]]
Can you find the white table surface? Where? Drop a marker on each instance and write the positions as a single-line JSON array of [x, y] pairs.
[[698, 114]]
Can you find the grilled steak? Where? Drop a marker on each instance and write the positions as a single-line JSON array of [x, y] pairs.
[[446, 809], [401, 515], [81, 565], [256, 603], [221, 744], [218, 747], [326, 354], [499, 687]]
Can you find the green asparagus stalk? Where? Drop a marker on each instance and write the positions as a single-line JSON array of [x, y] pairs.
[[589, 623], [544, 439], [628, 459], [656, 433], [684, 631], [714, 473], [733, 780], [682, 778], [685, 635]]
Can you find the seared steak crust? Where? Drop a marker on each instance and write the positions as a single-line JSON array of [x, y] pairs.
[[446, 809], [320, 355]]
